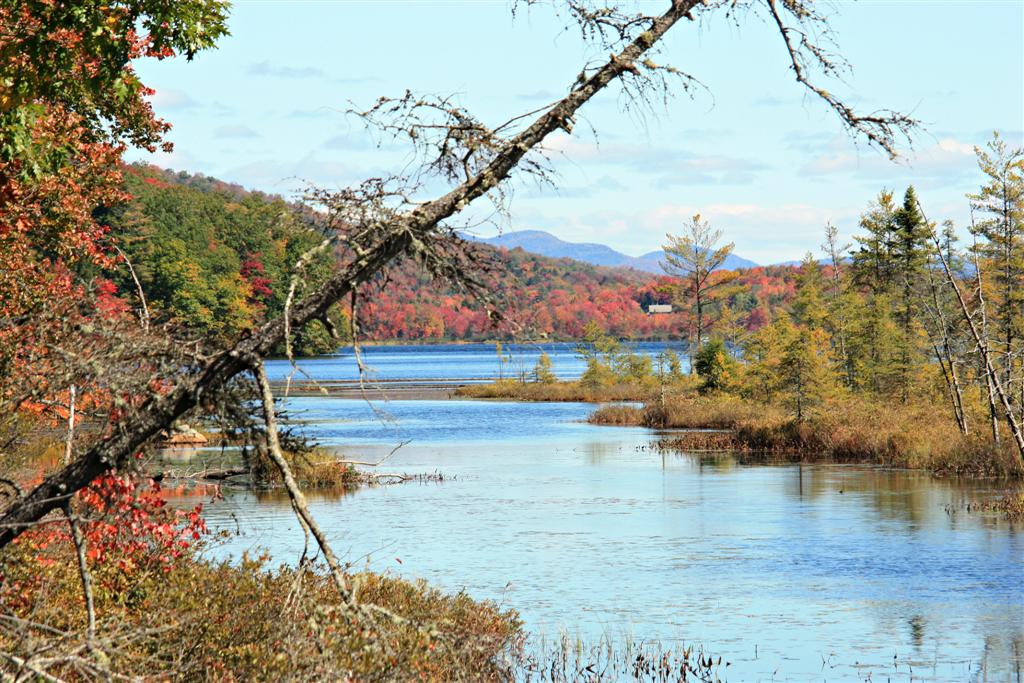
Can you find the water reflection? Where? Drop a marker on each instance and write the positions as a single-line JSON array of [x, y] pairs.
[[799, 571]]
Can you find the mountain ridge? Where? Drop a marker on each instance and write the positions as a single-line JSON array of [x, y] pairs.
[[545, 244]]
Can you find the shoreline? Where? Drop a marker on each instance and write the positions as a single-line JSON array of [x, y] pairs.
[[376, 390]]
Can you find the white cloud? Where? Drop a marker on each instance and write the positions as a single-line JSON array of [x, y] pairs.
[[945, 161], [670, 166], [236, 131], [171, 98], [265, 68]]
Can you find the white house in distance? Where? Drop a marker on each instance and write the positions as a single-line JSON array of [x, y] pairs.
[[653, 309]]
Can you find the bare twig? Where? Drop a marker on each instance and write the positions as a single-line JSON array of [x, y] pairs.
[[881, 128], [379, 462], [83, 573], [298, 499]]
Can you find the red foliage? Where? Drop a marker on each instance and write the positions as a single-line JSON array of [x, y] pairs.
[[133, 526], [252, 270], [549, 298], [127, 527], [108, 303]]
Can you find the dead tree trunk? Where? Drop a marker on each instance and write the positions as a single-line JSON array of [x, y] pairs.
[[945, 357], [991, 378], [990, 371]]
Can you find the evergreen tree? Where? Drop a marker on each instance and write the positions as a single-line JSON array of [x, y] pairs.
[[809, 305], [542, 370], [716, 366], [763, 354], [693, 257], [1000, 201], [806, 371], [875, 344], [873, 266], [910, 251]]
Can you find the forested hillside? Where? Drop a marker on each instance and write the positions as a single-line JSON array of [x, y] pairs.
[[218, 259]]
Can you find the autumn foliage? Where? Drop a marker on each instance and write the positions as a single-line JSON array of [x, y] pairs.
[[129, 531], [215, 258]]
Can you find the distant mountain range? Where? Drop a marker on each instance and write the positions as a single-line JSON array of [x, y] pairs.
[[546, 244]]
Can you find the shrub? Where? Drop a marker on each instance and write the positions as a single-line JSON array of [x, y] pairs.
[[716, 366], [542, 370]]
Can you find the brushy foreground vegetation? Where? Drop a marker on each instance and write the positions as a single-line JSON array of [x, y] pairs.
[[202, 620], [558, 392], [189, 618]]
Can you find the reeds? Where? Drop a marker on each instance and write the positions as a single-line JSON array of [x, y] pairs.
[[556, 392], [916, 436]]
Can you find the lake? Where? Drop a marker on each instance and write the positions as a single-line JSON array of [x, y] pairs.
[[452, 363], [790, 572]]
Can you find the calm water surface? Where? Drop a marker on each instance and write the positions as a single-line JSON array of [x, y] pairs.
[[452, 362], [789, 572]]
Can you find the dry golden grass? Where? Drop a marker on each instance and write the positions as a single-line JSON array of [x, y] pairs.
[[919, 436], [314, 468], [1011, 505], [556, 392]]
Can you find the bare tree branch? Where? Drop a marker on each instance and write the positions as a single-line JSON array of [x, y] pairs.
[[883, 128], [298, 499]]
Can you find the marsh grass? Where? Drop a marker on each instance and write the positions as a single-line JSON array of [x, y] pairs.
[[557, 391], [1010, 506], [573, 659], [313, 468], [239, 621], [206, 620], [918, 436]]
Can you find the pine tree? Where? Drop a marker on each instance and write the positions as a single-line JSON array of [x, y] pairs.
[[806, 371], [874, 345], [1001, 203], [809, 305], [542, 372], [910, 251], [763, 355], [716, 366], [693, 257], [873, 266]]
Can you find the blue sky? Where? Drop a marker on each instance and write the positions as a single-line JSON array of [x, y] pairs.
[[754, 155]]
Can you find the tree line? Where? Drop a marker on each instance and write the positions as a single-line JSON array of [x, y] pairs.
[[905, 313], [217, 260]]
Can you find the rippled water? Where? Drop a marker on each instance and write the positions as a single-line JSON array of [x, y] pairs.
[[789, 572]]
